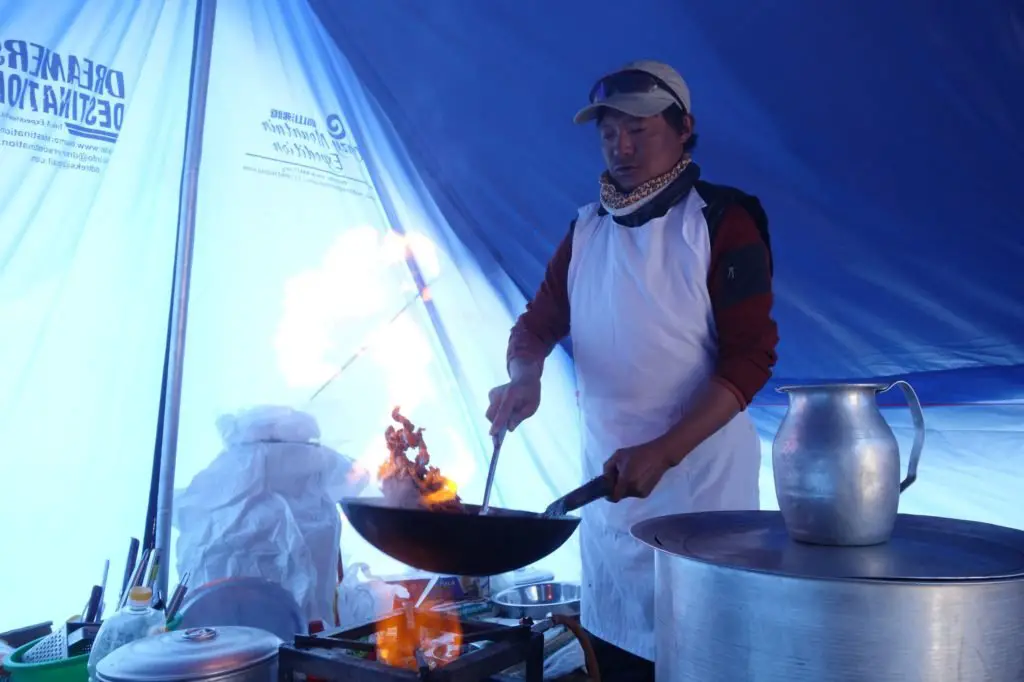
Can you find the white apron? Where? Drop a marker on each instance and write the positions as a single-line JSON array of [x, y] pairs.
[[644, 343]]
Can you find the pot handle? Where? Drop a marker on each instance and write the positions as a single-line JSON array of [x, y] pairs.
[[918, 416]]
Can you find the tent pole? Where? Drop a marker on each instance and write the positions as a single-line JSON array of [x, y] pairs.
[[206, 10]]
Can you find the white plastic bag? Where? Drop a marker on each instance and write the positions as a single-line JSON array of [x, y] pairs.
[[362, 597], [266, 507]]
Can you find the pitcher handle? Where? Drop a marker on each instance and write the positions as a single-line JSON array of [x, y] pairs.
[[918, 415]]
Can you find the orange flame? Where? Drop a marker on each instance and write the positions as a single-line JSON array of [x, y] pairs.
[[418, 637], [448, 492]]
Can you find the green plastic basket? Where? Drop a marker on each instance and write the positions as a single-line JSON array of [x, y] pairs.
[[67, 670]]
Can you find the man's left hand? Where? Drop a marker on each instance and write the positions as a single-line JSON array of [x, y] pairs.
[[637, 470]]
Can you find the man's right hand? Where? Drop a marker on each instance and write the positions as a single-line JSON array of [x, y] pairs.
[[514, 402]]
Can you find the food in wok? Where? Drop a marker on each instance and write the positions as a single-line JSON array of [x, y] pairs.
[[413, 483]]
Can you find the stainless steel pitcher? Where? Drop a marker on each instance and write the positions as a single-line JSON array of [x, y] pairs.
[[837, 464]]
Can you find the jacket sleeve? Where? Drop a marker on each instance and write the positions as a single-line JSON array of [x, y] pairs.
[[546, 320], [740, 286]]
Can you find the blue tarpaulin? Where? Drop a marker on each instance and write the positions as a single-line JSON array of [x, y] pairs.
[[886, 141]]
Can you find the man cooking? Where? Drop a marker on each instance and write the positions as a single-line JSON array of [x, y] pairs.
[[666, 286]]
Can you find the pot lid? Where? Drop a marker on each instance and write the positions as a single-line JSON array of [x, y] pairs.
[[191, 654], [922, 548]]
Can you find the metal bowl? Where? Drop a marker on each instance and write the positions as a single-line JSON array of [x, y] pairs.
[[539, 600]]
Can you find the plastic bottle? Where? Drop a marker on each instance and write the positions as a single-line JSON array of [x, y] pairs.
[[135, 621]]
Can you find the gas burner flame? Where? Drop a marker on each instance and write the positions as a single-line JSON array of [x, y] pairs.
[[419, 638]]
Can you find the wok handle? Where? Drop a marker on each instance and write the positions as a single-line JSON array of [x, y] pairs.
[[497, 439], [595, 489]]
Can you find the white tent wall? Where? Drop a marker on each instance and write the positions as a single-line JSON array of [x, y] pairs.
[[297, 267], [87, 233]]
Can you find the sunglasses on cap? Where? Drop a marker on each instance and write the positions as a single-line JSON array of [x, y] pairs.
[[630, 83]]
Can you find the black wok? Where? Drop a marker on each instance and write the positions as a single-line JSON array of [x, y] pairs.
[[468, 543]]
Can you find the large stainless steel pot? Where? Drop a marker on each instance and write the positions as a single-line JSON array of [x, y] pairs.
[[739, 601], [223, 654]]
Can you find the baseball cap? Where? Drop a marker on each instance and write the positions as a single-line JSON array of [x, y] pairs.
[[642, 88]]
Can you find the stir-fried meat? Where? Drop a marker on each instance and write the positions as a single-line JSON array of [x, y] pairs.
[[413, 483]]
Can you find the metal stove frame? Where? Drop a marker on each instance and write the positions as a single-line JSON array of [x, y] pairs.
[[510, 645]]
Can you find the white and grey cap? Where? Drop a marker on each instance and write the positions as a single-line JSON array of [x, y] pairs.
[[642, 88]]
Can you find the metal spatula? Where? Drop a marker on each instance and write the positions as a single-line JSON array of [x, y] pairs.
[[497, 440]]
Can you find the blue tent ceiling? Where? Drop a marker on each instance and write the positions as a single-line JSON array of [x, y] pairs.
[[886, 140]]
